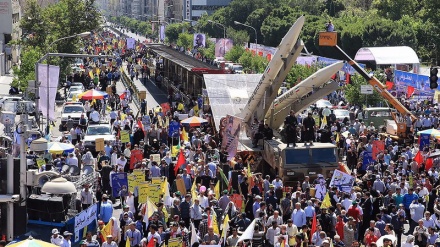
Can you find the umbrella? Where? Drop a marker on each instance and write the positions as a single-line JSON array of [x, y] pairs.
[[432, 132], [59, 147], [92, 94], [31, 242], [194, 121], [379, 242]]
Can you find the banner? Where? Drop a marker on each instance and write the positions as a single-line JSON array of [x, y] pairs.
[[367, 159], [378, 146], [424, 140], [420, 83], [231, 134], [130, 43], [222, 46], [136, 155], [48, 78], [153, 191], [136, 178], [199, 40], [343, 181], [86, 217], [162, 33], [125, 136], [119, 183], [174, 129]]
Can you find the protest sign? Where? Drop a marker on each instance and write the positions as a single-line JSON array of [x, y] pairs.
[[125, 136], [342, 181], [119, 182]]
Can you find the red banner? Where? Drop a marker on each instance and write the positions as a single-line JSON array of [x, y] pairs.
[[378, 146], [136, 155], [389, 85], [410, 91]]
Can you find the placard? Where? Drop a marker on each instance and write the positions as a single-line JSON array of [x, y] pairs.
[[151, 191], [181, 186], [40, 163], [86, 217], [125, 136], [155, 157], [119, 182], [142, 95], [343, 181], [175, 242], [135, 179], [136, 155], [99, 144]]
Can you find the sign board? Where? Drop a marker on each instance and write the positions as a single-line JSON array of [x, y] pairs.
[[125, 136], [366, 89], [142, 94], [328, 38], [119, 183], [99, 144], [155, 157], [181, 186], [86, 217]]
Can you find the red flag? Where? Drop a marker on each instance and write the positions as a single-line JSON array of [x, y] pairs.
[[140, 125], [314, 227], [389, 85], [410, 91], [180, 162], [418, 158], [333, 77], [347, 78], [122, 96], [151, 243], [428, 164], [209, 219]]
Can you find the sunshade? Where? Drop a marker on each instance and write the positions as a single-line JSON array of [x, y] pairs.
[[30, 242], [432, 132], [194, 121], [59, 147], [92, 94]]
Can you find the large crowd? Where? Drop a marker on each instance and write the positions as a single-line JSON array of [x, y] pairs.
[[395, 191]]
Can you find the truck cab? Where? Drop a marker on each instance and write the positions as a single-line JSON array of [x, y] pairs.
[[292, 164]]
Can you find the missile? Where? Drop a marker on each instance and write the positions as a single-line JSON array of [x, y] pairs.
[[316, 80], [272, 69]]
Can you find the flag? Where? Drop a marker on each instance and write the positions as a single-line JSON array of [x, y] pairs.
[[217, 190], [148, 210], [314, 227], [428, 164], [418, 158], [225, 228], [151, 243], [194, 238], [209, 219], [107, 230], [140, 125], [410, 91], [215, 224], [323, 122], [194, 190], [175, 150], [184, 135], [91, 74], [337, 137], [122, 96], [180, 161], [326, 202], [248, 233], [222, 174], [127, 242], [166, 193], [389, 85]]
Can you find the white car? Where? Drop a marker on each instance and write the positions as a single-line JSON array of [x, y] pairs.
[[341, 114], [95, 131], [74, 110], [322, 103], [77, 84], [6, 100], [71, 95]]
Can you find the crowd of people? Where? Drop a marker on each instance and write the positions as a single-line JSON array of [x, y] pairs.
[[394, 194]]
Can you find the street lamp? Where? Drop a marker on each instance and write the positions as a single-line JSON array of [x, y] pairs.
[[256, 40], [84, 34], [224, 33]]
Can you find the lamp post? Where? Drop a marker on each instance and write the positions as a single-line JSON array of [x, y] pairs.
[[224, 33], [47, 77], [255, 30]]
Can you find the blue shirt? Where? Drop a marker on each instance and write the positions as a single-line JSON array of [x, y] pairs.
[[299, 218], [310, 211], [136, 235], [106, 211], [108, 150], [408, 199], [187, 181], [255, 207], [155, 172]]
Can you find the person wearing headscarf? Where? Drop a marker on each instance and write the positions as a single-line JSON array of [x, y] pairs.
[[116, 230], [409, 241]]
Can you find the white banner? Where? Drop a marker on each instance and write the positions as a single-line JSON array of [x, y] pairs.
[[343, 181], [130, 43], [48, 78], [86, 217]]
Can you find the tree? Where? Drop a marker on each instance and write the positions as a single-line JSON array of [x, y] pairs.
[[173, 30], [299, 73], [239, 37], [209, 50], [185, 40], [26, 71], [354, 96], [32, 23], [276, 25], [252, 63], [395, 9], [235, 53]]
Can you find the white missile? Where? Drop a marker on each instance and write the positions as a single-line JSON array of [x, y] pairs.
[[272, 69], [316, 80]]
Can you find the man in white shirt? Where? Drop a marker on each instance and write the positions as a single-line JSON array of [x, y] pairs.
[[277, 183], [120, 163], [272, 232], [94, 116], [72, 160], [86, 197], [56, 239], [66, 243], [110, 242]]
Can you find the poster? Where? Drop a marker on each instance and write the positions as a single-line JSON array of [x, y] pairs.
[[343, 181], [199, 40], [86, 217], [48, 88], [181, 186], [231, 134], [378, 147], [136, 155], [367, 158], [125, 136], [130, 43], [155, 157], [174, 129], [152, 191], [424, 140], [222, 46], [175, 242], [119, 182], [135, 179], [162, 33]]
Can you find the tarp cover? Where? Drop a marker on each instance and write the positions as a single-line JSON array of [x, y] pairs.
[[229, 93], [388, 55]]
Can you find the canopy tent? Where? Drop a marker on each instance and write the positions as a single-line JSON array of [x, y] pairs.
[[387, 55]]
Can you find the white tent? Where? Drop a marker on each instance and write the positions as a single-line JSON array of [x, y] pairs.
[[388, 55]]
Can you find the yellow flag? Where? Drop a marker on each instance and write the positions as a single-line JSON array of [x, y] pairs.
[[323, 122], [123, 116], [174, 151], [326, 202], [107, 230], [91, 74], [225, 226], [149, 208], [184, 135], [196, 110], [98, 71], [127, 243], [74, 98], [93, 102], [194, 190], [215, 224], [337, 137], [217, 190]]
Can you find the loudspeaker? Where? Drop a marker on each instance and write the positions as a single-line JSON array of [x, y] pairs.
[[48, 208], [20, 219], [4, 175]]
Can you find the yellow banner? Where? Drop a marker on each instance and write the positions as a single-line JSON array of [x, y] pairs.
[[135, 179], [175, 242], [40, 162], [125, 137], [152, 191]]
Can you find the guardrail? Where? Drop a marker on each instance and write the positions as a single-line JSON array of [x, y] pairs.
[[128, 83]]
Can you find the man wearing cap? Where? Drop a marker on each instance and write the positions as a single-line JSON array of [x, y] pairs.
[[109, 242], [56, 239], [67, 236]]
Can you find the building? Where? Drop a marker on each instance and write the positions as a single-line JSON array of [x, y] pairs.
[[194, 9]]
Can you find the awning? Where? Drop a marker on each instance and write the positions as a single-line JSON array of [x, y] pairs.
[[388, 55], [229, 93]]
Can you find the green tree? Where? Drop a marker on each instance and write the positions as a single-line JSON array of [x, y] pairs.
[[33, 25], [395, 9], [276, 25], [252, 63], [209, 50], [354, 96], [26, 71], [235, 53], [173, 30], [299, 73], [240, 37], [185, 40]]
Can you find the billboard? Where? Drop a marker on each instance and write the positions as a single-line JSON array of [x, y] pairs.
[[199, 40], [222, 46]]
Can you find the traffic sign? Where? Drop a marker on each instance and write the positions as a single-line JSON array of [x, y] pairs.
[[366, 89]]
